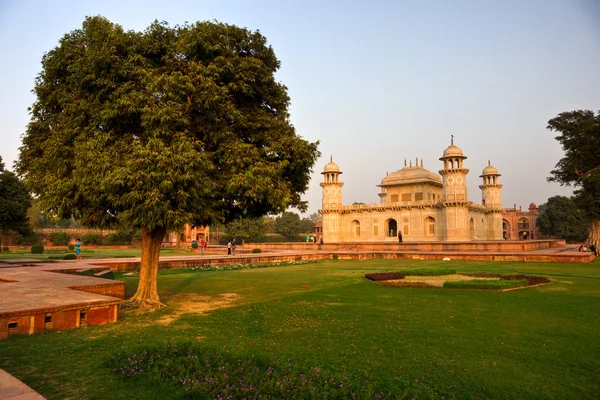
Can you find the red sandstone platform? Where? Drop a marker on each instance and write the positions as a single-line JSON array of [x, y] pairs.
[[13, 389], [38, 297]]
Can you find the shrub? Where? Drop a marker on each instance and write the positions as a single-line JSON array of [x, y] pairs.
[[91, 238], [119, 238], [335, 256], [70, 256], [5, 248], [37, 249], [531, 279], [194, 245], [59, 238], [71, 246], [487, 284], [257, 250], [384, 276], [28, 240]]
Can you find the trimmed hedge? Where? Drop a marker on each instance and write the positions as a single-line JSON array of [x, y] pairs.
[[429, 271], [119, 238], [92, 238], [59, 238], [487, 284], [71, 247], [384, 276], [70, 256], [257, 250], [37, 249]]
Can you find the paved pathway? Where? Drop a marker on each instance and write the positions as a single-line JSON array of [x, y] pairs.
[[13, 389]]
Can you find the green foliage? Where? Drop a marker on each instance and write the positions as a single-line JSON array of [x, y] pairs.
[[14, 203], [28, 240], [335, 256], [288, 224], [487, 284], [579, 135], [59, 238], [71, 246], [194, 245], [5, 248], [119, 238], [92, 238], [189, 111], [70, 256], [37, 249], [561, 217], [247, 229], [257, 250]]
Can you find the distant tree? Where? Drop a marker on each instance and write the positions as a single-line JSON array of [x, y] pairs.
[[160, 128], [14, 203], [288, 225], [314, 217], [248, 229], [269, 223], [561, 217], [580, 167], [306, 225]]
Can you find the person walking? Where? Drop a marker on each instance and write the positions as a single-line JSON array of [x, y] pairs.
[[233, 244], [202, 247], [78, 249], [399, 237], [229, 248]]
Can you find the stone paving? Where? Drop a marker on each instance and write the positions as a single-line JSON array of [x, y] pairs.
[[13, 389], [36, 287]]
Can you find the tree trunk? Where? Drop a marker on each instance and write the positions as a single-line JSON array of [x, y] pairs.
[[594, 236], [147, 293]]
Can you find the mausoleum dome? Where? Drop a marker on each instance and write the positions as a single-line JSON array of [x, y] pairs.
[[331, 167], [489, 170], [453, 151], [410, 175]]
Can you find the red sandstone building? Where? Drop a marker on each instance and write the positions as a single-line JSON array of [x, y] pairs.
[[188, 234], [520, 225]]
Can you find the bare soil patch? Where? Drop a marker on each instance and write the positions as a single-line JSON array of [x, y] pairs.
[[190, 303], [432, 281]]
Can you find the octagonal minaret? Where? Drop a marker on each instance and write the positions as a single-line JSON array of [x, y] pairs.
[[332, 202], [491, 199], [455, 202]]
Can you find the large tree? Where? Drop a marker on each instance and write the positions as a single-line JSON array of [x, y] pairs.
[[561, 217], [156, 129], [580, 167], [14, 203]]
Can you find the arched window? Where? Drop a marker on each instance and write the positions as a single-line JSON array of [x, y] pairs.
[[355, 228], [472, 228], [429, 226], [505, 229], [523, 224]]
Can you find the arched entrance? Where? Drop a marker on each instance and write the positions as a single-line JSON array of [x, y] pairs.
[[505, 229], [472, 228], [391, 227], [355, 228], [523, 224]]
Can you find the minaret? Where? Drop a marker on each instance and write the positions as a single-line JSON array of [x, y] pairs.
[[332, 203], [455, 202], [492, 201]]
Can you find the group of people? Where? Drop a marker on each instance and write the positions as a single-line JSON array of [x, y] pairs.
[[202, 246], [231, 247], [591, 248]]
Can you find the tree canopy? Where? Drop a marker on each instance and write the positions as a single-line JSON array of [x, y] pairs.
[[159, 128], [580, 167], [14, 203], [561, 217]]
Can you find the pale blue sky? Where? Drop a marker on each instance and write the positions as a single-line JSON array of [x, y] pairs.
[[376, 82]]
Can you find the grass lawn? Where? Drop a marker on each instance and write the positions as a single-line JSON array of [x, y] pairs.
[[90, 253], [536, 343]]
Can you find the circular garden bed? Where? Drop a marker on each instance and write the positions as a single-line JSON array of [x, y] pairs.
[[447, 278]]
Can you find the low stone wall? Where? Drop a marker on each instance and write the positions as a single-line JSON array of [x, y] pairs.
[[474, 246]]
